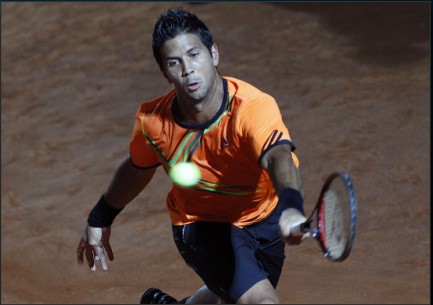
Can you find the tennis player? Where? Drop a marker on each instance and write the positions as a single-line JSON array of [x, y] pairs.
[[231, 227]]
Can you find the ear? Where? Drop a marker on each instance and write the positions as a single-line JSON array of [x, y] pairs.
[[215, 55], [165, 75]]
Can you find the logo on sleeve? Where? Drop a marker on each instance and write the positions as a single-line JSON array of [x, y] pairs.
[[273, 138]]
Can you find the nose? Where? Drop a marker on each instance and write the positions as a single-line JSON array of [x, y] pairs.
[[187, 68]]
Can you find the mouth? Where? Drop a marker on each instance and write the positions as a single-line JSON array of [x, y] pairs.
[[193, 86]]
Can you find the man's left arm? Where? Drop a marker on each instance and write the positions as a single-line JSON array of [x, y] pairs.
[[285, 176]]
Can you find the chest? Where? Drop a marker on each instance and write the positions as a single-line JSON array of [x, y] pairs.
[[221, 151]]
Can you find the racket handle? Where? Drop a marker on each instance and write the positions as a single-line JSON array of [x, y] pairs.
[[301, 228], [305, 227]]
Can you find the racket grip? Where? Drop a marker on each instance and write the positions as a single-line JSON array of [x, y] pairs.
[[301, 228], [305, 227]]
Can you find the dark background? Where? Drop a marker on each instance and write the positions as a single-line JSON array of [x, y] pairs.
[[353, 84]]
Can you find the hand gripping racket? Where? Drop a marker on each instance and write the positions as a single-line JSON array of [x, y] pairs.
[[333, 221]]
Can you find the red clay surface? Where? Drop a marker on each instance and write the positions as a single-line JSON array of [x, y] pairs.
[[353, 84]]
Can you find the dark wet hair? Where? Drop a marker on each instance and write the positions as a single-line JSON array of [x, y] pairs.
[[175, 22]]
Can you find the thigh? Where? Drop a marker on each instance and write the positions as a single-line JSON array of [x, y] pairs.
[[231, 260], [224, 256], [269, 246], [248, 270], [206, 247]]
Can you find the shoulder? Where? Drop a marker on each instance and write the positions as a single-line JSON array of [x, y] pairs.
[[154, 114], [156, 107], [248, 99], [246, 92]]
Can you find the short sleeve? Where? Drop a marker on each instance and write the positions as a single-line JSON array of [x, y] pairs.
[[141, 154], [263, 126]]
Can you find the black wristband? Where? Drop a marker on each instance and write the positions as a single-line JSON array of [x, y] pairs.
[[102, 215], [292, 199]]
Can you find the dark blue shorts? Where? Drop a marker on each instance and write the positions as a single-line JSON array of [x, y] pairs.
[[231, 260]]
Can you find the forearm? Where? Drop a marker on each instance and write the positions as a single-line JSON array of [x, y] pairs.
[[127, 183], [282, 170], [285, 176]]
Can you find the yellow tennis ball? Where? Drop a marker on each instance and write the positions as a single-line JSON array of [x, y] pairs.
[[185, 174]]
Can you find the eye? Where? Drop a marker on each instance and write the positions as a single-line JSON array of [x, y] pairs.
[[195, 54], [172, 63]]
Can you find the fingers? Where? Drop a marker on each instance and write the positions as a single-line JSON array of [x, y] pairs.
[[295, 239], [105, 240], [305, 236], [104, 263], [90, 257], [107, 248], [92, 244], [80, 251], [290, 226], [292, 240], [99, 251], [85, 248]]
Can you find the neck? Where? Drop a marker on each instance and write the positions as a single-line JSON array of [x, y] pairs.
[[201, 111]]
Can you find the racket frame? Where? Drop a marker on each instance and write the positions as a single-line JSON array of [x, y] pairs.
[[317, 215]]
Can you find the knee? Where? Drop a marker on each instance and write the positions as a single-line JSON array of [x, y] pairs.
[[259, 300], [259, 297], [268, 300], [204, 296], [261, 293]]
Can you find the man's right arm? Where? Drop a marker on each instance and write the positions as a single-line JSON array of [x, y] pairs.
[[127, 183]]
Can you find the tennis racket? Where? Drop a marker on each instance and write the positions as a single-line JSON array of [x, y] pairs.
[[333, 220]]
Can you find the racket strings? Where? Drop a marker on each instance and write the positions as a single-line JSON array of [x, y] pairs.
[[334, 224]]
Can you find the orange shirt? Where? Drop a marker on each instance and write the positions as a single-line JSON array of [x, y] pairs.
[[227, 149]]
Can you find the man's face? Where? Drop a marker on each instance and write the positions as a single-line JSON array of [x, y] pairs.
[[188, 64]]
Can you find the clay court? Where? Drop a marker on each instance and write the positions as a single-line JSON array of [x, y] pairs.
[[353, 84]]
